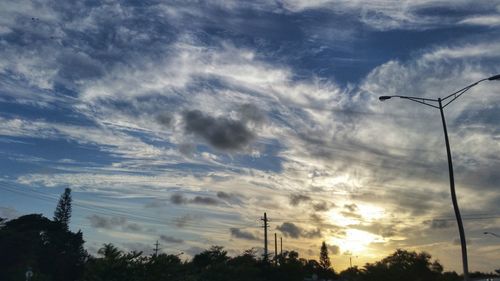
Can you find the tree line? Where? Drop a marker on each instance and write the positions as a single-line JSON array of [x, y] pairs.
[[54, 253]]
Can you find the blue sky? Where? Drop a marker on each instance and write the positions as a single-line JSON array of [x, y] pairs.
[[185, 121]]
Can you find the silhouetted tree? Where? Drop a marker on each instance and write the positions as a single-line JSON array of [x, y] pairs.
[[246, 267], [403, 265], [52, 252], [210, 265], [164, 267], [351, 274], [324, 260], [213, 264], [290, 269], [449, 276], [62, 214], [114, 265], [312, 267], [214, 255]]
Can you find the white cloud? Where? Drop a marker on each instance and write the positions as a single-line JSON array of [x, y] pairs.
[[486, 20], [383, 14], [334, 143]]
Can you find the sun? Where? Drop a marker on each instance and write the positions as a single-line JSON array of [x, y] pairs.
[[356, 241]]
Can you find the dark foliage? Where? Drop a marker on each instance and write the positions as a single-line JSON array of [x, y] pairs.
[[52, 251], [401, 265]]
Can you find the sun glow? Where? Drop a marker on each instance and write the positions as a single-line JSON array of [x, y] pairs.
[[356, 241], [370, 212], [362, 214], [341, 220]]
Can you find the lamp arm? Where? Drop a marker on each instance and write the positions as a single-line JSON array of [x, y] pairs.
[[458, 93], [415, 98], [419, 100]]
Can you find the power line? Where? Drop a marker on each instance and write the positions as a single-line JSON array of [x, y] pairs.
[[154, 220], [112, 212]]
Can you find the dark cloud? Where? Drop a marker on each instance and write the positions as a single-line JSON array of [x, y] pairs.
[[351, 215], [97, 221], [78, 66], [187, 148], [231, 198], [418, 202], [351, 207], [312, 234], [316, 218], [183, 220], [439, 224], [178, 199], [321, 207], [106, 223], [292, 230], [133, 227], [238, 233], [251, 113], [351, 210], [164, 119], [222, 133], [410, 201], [386, 229], [170, 239], [224, 195], [296, 199], [204, 200], [333, 249], [155, 204]]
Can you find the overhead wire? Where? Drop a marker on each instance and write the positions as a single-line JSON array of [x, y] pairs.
[[113, 212], [107, 211]]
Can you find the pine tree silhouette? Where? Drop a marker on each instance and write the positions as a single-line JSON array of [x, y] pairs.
[[62, 214], [324, 260]]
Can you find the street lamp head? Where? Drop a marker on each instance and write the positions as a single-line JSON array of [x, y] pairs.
[[383, 98], [496, 77]]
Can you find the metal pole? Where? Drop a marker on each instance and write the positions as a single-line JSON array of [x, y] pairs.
[[265, 237], [454, 198], [275, 248], [281, 246]]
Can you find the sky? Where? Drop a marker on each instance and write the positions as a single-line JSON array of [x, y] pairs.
[[185, 121]]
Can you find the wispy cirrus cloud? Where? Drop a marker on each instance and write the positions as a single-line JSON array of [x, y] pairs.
[[205, 110]]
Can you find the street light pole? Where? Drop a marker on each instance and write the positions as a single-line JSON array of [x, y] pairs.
[[438, 103], [463, 243]]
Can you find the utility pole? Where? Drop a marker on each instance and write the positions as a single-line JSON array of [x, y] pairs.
[[264, 219], [281, 246], [156, 248], [275, 248], [350, 260]]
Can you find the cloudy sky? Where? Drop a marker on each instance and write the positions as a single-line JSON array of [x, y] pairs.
[[185, 121]]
